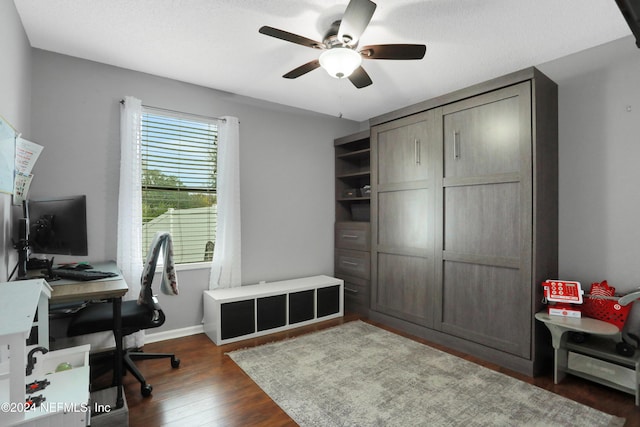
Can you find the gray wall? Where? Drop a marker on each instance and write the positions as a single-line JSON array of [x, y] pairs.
[[599, 172], [15, 102], [286, 172], [599, 150]]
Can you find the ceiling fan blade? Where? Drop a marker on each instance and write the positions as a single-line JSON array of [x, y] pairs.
[[355, 20], [303, 69], [393, 51], [360, 78], [290, 37]]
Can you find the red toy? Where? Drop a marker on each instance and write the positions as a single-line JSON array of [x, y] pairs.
[[563, 293]]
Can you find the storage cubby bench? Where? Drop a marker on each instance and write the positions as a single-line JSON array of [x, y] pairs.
[[234, 314]]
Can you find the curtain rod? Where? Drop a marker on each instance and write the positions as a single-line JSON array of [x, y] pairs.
[[179, 112]]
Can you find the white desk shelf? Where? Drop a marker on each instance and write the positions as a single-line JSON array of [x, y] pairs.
[[596, 360], [249, 311], [20, 302]]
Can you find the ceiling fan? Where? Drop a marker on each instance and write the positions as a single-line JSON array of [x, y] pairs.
[[341, 57]]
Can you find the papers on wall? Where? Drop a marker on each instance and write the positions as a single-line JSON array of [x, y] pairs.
[[27, 153], [17, 158], [21, 188]]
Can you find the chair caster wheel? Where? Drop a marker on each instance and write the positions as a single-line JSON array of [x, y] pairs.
[[175, 363], [146, 390]]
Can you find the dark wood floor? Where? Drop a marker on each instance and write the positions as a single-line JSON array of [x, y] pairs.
[[210, 389]]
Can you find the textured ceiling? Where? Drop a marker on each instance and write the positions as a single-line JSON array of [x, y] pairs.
[[215, 43]]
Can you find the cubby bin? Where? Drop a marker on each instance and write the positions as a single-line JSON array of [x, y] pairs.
[[301, 306], [237, 318], [272, 312]]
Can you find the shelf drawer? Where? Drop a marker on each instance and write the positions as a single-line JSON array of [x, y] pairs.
[[353, 263], [610, 372], [353, 235], [356, 294]]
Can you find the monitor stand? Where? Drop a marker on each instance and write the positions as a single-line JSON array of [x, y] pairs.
[[41, 264]]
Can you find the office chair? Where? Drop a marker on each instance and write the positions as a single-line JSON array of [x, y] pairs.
[[145, 313]]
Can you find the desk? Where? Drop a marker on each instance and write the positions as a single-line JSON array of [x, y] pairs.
[[65, 290], [112, 288], [115, 287]]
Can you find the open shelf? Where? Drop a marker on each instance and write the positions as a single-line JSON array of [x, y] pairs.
[[353, 215]]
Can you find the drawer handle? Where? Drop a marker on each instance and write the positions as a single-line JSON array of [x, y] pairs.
[[349, 236], [353, 291], [350, 263]]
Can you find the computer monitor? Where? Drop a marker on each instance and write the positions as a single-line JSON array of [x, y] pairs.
[[57, 226]]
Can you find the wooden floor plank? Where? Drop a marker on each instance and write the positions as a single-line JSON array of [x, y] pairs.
[[209, 389]]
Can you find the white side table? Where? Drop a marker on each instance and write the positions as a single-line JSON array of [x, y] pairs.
[[558, 325]]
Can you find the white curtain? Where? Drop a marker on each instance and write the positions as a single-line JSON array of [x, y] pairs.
[[225, 267], [129, 242]]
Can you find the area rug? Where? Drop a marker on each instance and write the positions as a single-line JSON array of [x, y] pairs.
[[357, 374]]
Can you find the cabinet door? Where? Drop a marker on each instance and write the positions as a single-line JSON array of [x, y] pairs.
[[487, 220], [402, 152], [405, 156]]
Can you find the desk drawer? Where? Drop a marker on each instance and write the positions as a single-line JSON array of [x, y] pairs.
[[353, 263], [353, 235]]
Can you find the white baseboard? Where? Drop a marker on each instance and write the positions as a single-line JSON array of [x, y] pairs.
[[174, 333]]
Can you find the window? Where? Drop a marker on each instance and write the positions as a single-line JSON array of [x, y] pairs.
[[179, 183]]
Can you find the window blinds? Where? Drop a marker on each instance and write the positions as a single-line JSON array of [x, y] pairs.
[[178, 183]]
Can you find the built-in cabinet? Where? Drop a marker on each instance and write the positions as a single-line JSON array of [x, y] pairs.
[[353, 213], [464, 217]]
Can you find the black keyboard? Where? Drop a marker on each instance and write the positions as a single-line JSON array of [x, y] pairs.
[[81, 275]]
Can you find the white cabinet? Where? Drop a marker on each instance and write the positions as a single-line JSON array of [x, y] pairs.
[[244, 312], [64, 400]]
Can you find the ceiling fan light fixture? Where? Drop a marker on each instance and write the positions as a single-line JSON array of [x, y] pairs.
[[340, 62]]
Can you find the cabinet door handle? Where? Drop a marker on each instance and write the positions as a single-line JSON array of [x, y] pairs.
[[353, 291], [456, 145], [349, 236], [416, 154]]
